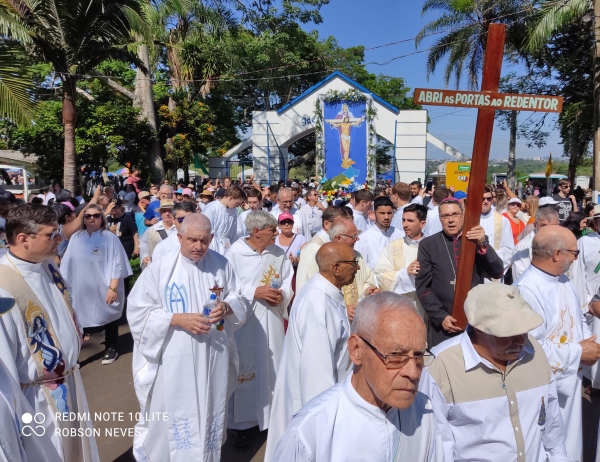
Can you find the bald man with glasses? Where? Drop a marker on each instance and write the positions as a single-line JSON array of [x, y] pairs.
[[315, 354]]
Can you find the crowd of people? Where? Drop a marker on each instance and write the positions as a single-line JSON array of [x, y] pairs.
[[326, 321]]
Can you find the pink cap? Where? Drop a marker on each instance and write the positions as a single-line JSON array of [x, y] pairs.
[[285, 216], [187, 192]]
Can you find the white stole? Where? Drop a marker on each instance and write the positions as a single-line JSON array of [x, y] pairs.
[[245, 396]]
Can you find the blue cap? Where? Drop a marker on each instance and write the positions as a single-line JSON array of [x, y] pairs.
[[179, 191], [213, 296], [460, 195]]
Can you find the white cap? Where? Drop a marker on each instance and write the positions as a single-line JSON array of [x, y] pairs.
[[515, 200], [547, 201], [500, 310]]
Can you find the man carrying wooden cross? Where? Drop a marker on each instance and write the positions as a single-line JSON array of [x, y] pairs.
[[438, 260]]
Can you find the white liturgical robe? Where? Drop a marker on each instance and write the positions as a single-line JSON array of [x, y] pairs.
[[391, 271], [186, 377], [20, 442], [224, 225], [315, 354], [554, 298], [361, 221], [397, 218], [585, 273], [522, 255], [260, 340], [498, 230], [434, 224], [339, 425], [372, 242], [241, 223], [47, 338], [307, 266], [89, 264]]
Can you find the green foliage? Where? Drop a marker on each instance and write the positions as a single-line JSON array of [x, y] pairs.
[[190, 131], [108, 131]]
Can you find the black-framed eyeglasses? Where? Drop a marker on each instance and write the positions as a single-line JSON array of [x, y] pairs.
[[574, 252], [352, 262], [399, 360], [488, 199], [87, 216], [50, 236], [353, 237]]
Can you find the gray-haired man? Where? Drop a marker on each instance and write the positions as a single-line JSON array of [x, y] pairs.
[[265, 275], [376, 412]]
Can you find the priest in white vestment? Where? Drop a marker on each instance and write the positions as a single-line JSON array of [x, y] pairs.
[[522, 252], [257, 260], [377, 237], [398, 266], [315, 355], [400, 197], [497, 228], [344, 232], [40, 337], [223, 217], [285, 203], [307, 267], [434, 225], [564, 336], [585, 273], [22, 439], [376, 413], [180, 211], [363, 203], [184, 363], [254, 201]]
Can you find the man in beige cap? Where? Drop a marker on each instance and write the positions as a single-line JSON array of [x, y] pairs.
[[493, 393], [158, 231]]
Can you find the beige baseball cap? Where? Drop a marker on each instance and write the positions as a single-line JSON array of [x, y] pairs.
[[500, 310]]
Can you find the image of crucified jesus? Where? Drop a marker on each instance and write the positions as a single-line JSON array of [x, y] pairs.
[[344, 128]]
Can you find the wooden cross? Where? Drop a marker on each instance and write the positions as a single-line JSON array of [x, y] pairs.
[[487, 101]]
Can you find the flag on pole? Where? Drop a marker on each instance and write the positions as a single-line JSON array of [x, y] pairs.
[[549, 166]]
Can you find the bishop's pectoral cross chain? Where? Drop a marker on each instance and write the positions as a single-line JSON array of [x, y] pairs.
[[453, 282]]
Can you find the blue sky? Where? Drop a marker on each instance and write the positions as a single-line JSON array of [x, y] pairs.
[[377, 22]]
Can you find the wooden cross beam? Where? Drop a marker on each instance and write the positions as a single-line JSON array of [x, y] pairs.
[[487, 101]]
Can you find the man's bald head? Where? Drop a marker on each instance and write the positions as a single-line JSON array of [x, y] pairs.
[[196, 222], [337, 264], [329, 254], [553, 249]]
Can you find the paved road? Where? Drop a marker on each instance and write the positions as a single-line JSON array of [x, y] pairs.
[[110, 389]]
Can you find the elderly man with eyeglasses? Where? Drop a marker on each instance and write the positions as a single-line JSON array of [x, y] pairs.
[[315, 354], [494, 396], [376, 413], [564, 336], [497, 228], [438, 259]]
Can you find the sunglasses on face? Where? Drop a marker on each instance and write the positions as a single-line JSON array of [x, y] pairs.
[[180, 219], [286, 222], [89, 216]]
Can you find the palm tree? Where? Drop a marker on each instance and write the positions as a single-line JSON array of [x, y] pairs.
[[16, 94], [74, 36], [554, 16], [465, 24]]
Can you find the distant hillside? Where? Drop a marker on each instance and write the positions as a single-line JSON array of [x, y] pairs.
[[528, 166]]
